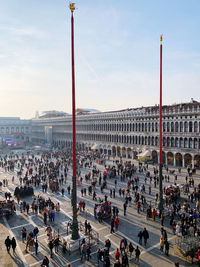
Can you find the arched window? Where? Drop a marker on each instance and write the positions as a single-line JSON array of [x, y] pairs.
[[145, 127], [152, 141], [164, 127], [139, 127], [176, 142], [152, 127], [195, 143], [172, 142], [186, 127], [156, 141], [168, 141], [149, 127], [156, 126], [133, 127], [185, 143], [172, 127], [167, 126], [195, 127], [181, 142], [190, 127], [176, 126], [190, 143], [136, 127], [149, 141], [181, 126], [164, 141]]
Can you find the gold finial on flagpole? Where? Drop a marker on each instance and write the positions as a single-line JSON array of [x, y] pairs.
[[161, 38], [72, 7]]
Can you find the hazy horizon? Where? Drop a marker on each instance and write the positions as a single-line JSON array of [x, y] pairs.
[[116, 54]]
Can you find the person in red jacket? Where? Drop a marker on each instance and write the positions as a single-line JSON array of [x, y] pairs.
[[116, 223], [117, 254], [154, 214]]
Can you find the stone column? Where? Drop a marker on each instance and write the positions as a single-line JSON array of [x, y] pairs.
[[192, 161], [174, 160], [183, 162]]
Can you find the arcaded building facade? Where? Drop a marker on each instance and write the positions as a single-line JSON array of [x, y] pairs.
[[126, 133]]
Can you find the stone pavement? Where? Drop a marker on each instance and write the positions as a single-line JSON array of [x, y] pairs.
[[128, 228]]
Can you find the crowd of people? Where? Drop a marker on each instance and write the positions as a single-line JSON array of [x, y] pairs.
[[50, 170]]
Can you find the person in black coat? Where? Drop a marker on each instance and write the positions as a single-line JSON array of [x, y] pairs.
[[45, 262], [112, 224], [140, 235], [51, 248], [125, 260], [145, 236], [13, 243], [8, 243]]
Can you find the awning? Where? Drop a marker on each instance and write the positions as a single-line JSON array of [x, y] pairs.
[[95, 147], [146, 153]]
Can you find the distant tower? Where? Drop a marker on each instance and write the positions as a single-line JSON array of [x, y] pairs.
[[36, 115]]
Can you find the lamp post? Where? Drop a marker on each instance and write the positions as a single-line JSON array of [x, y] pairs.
[[75, 233], [160, 199]]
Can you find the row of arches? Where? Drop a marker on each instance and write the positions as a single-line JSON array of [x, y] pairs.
[[169, 158], [187, 126], [178, 142]]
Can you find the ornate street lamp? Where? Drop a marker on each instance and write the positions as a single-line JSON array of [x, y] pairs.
[[75, 233]]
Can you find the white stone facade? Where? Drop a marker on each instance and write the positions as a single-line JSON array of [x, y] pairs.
[[16, 128], [128, 132]]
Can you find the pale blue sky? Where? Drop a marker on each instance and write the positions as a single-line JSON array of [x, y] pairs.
[[116, 54]]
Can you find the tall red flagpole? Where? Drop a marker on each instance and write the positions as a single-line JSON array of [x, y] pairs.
[[75, 234], [160, 107], [160, 200]]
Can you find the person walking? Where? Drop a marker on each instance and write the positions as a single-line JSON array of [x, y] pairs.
[[35, 232], [45, 262], [14, 244], [23, 234], [145, 236], [161, 243], [51, 248], [8, 244], [56, 244], [117, 254], [99, 256], [116, 223], [125, 260], [125, 207], [36, 246], [140, 235], [63, 191], [138, 206], [166, 248], [162, 218], [130, 248], [45, 217], [88, 251], [112, 224], [137, 255], [154, 214], [83, 251]]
